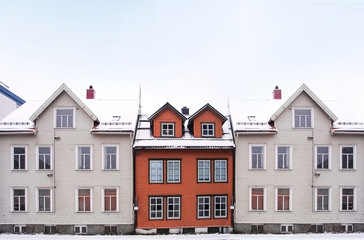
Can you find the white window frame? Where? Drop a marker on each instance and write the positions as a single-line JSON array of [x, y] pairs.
[[91, 157], [156, 211], [51, 199], [251, 167], [329, 199], [221, 173], [22, 229], [316, 159], [341, 157], [65, 108], [290, 199], [251, 199], [294, 117], [347, 226], [198, 208], [287, 226], [12, 157], [51, 157], [290, 158], [80, 227], [179, 171], [173, 129], [103, 157], [103, 199], [157, 173], [354, 198], [208, 124], [226, 207], [198, 170], [91, 199], [173, 206], [12, 199]]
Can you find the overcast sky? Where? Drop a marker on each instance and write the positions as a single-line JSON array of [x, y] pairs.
[[190, 51]]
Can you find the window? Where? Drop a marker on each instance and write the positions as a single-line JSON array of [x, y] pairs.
[[204, 170], [65, 118], [44, 158], [19, 200], [220, 206], [84, 200], [156, 171], [110, 200], [347, 157], [19, 154], [347, 228], [44, 200], [50, 229], [220, 170], [203, 207], [208, 129], [283, 199], [20, 229], [284, 157], [173, 171], [257, 199], [80, 229], [348, 199], [322, 199], [257, 157], [322, 157], [286, 228], [110, 154], [167, 130], [156, 208], [303, 118], [173, 207], [317, 228], [84, 158]]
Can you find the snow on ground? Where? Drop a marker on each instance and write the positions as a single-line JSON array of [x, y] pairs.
[[327, 236]]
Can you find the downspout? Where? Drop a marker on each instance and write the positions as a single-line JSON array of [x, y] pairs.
[[54, 170], [313, 137]]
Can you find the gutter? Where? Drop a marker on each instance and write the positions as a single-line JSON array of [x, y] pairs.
[[356, 132], [114, 132]]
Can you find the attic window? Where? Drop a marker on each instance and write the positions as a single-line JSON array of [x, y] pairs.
[[252, 118], [303, 117], [167, 129], [115, 118], [64, 117]]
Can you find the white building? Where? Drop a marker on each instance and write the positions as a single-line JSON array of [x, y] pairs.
[[8, 101], [67, 166], [297, 168]]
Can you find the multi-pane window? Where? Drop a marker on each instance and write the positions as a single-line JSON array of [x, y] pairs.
[[173, 171], [286, 228], [84, 200], [110, 157], [220, 170], [322, 199], [156, 171], [257, 199], [110, 200], [322, 157], [302, 118], [283, 199], [283, 157], [204, 171], [347, 199], [80, 229], [347, 157], [173, 207], [19, 158], [44, 200], [220, 203], [44, 158], [347, 228], [84, 158], [257, 157], [19, 200], [65, 118], [156, 207], [208, 129], [203, 207], [167, 129]]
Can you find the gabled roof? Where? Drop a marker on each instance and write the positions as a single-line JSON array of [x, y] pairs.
[[308, 91], [164, 107], [11, 95], [59, 91], [207, 106]]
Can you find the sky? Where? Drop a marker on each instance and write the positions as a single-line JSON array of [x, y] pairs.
[[188, 52]]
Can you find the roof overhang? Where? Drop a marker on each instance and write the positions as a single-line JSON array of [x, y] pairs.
[[111, 132], [257, 132], [18, 132]]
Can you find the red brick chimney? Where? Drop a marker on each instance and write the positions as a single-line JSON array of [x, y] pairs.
[[90, 93], [277, 93]]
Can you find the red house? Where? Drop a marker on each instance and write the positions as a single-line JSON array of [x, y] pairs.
[[184, 171]]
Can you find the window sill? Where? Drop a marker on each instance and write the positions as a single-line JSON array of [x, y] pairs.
[[348, 170], [84, 170], [112, 212], [257, 169], [19, 170], [283, 169], [110, 170]]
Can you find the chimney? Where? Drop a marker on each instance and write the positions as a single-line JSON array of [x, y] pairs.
[[277, 93], [90, 93], [185, 111]]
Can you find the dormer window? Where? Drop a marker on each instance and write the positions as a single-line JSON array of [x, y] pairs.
[[167, 129], [303, 117], [65, 118], [208, 130]]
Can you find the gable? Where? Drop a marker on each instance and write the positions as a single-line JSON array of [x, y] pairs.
[[207, 117], [165, 116]]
